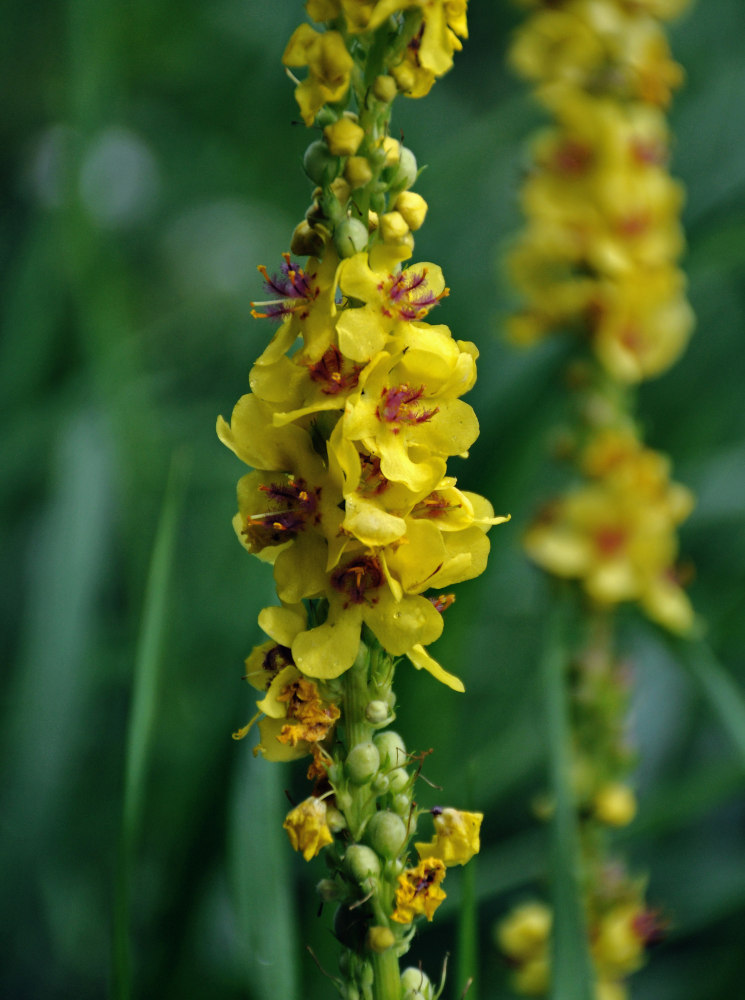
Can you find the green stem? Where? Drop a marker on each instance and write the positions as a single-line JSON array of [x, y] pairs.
[[356, 697], [572, 972], [387, 977]]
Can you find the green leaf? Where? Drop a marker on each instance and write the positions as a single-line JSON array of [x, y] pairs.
[[571, 970], [145, 691], [717, 686], [260, 858]]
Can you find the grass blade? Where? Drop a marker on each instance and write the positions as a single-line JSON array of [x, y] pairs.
[[260, 857], [571, 970], [145, 690], [718, 687]]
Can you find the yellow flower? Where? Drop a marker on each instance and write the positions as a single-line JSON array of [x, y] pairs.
[[329, 68], [617, 533], [444, 24], [307, 827], [406, 410], [389, 295], [523, 934], [419, 891], [456, 837], [618, 946], [642, 323]]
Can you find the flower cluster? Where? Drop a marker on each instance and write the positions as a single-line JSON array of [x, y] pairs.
[[616, 532], [598, 260], [621, 930], [349, 432], [598, 255], [355, 409]]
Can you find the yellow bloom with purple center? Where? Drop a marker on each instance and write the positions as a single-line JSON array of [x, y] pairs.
[[419, 891]]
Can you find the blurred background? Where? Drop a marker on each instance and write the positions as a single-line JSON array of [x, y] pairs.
[[149, 162]]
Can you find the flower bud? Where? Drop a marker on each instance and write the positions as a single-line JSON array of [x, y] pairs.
[[320, 164], [525, 931], [406, 171], [392, 748], [362, 763], [329, 890], [384, 88], [340, 189], [392, 149], [358, 172], [398, 779], [532, 978], [393, 227], [387, 833], [415, 985], [412, 207], [343, 137], [615, 804], [306, 242], [380, 784], [404, 76], [376, 712], [401, 803], [350, 237], [335, 820], [362, 863], [380, 939]]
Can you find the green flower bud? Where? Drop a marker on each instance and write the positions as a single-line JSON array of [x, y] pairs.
[[343, 799], [398, 779], [392, 749], [380, 939], [404, 174], [401, 803], [376, 712], [384, 88], [329, 890], [380, 784], [335, 820], [350, 237], [387, 833], [362, 763], [361, 863], [415, 985], [320, 164]]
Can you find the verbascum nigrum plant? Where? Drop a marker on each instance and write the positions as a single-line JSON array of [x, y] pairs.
[[598, 263], [354, 410]]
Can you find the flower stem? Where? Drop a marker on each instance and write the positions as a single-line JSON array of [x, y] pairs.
[[387, 977]]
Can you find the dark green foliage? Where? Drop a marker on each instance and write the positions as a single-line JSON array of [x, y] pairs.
[[149, 161]]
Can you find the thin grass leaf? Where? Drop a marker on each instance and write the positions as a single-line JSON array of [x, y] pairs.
[[467, 963], [726, 699], [145, 690], [260, 859], [571, 970]]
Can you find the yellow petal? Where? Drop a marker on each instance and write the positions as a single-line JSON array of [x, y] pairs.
[[421, 659]]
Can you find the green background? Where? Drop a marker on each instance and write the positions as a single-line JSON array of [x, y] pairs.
[[149, 162]]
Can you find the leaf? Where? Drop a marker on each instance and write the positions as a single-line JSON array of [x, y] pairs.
[[572, 975]]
